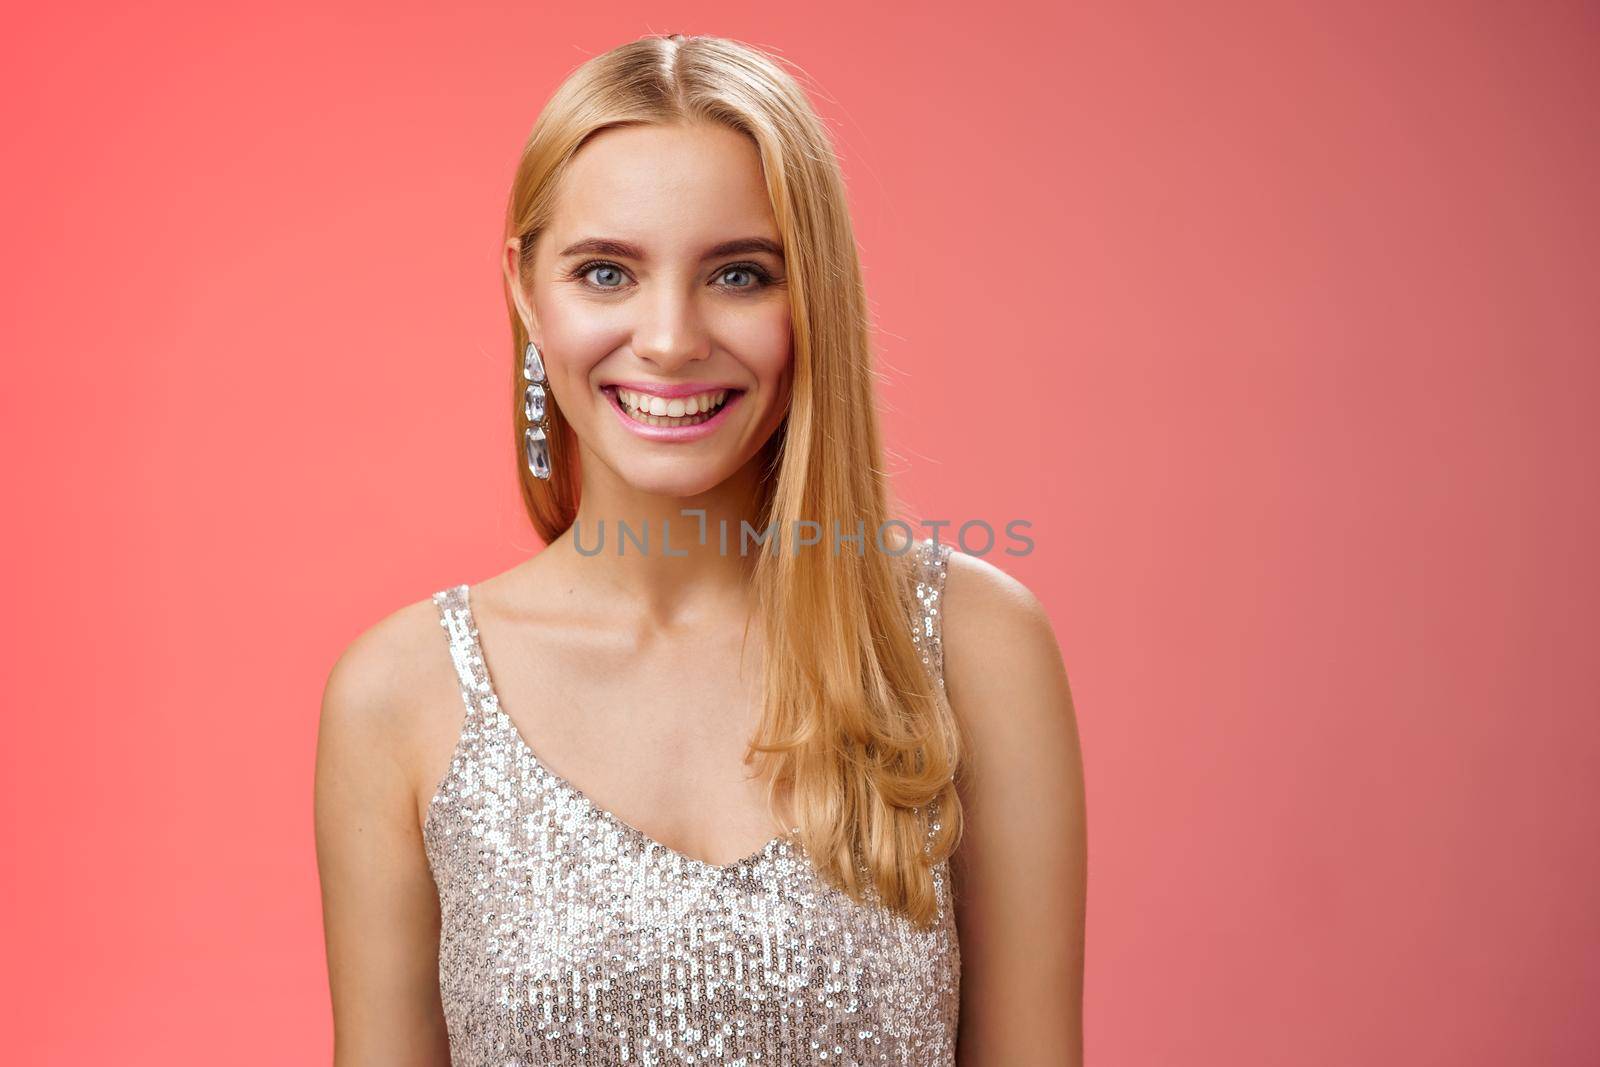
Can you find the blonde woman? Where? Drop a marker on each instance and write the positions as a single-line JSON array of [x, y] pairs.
[[693, 784]]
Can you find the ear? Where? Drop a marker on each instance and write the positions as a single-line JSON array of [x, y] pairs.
[[511, 267]]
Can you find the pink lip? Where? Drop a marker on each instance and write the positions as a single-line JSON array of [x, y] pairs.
[[668, 391], [672, 434]]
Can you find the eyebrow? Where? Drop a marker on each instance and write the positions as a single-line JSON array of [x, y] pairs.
[[606, 246]]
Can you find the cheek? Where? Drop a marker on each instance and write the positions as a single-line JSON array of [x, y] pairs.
[[765, 343], [577, 338]]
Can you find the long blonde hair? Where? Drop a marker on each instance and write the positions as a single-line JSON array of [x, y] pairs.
[[852, 721]]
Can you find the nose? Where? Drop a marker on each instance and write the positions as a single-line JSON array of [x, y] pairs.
[[671, 332]]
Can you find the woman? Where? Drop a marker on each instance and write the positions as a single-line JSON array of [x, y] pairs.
[[538, 837]]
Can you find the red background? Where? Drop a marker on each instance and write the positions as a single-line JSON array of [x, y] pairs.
[[1278, 321]]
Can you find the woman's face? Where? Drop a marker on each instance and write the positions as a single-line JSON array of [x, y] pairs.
[[659, 300]]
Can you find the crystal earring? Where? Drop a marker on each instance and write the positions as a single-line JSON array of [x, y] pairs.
[[534, 441]]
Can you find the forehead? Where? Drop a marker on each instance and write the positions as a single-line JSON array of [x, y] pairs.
[[664, 183]]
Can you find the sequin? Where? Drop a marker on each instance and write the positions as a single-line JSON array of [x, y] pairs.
[[569, 937]]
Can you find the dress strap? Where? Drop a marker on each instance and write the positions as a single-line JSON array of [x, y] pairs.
[[933, 565], [455, 616]]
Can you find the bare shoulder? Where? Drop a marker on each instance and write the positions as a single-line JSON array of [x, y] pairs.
[[1001, 651], [1020, 868], [380, 905], [374, 704], [983, 586]]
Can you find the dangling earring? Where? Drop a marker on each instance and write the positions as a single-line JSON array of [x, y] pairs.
[[533, 400]]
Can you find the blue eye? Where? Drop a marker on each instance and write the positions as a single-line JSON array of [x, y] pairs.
[[607, 276], [600, 270], [759, 278]]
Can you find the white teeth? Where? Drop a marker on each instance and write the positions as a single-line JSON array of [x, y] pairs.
[[656, 407]]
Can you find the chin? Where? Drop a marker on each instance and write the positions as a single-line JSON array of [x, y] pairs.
[[675, 478]]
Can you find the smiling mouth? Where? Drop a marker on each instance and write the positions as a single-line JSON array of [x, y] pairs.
[[679, 411]]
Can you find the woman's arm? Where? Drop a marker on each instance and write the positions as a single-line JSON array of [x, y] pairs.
[[379, 905], [1020, 872]]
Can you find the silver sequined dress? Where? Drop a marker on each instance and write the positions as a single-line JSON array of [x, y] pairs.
[[570, 937]]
